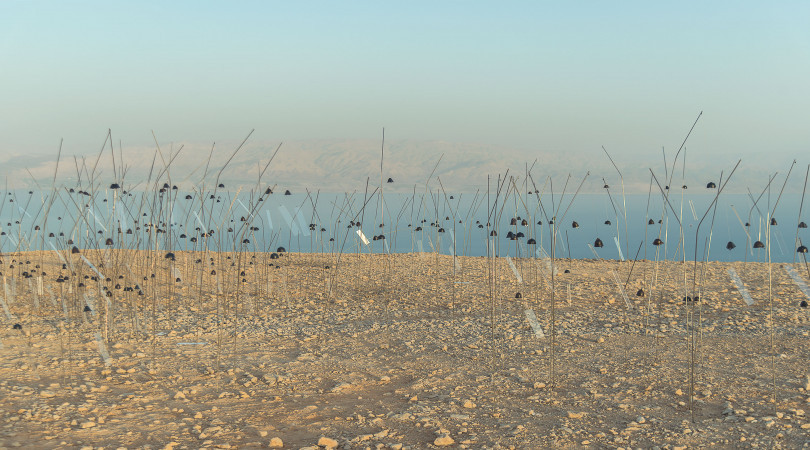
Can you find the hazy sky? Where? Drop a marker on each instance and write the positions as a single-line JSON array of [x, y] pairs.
[[561, 76]]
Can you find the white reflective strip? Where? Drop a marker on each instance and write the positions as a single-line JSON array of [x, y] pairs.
[[800, 283], [5, 309], [532, 318], [57, 252], [514, 269], [285, 214], [362, 237], [102, 277], [102, 350], [741, 287], [101, 224], [304, 226], [619, 248], [200, 222], [269, 220], [243, 205], [89, 301]]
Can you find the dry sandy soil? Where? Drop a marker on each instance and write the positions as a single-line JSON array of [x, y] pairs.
[[402, 351]]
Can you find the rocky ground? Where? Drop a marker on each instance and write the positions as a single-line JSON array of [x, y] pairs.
[[402, 351]]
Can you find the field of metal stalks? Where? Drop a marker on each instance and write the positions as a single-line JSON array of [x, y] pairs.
[[147, 315]]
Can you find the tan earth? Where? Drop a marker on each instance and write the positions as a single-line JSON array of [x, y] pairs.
[[400, 351]]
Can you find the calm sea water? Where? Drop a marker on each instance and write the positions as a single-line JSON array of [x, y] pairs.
[[426, 221]]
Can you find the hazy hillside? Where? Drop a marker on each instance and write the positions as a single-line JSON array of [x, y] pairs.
[[345, 165]]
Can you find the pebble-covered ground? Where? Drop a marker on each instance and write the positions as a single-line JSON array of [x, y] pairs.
[[401, 351]]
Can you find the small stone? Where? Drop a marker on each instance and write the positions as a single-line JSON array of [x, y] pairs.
[[327, 442], [88, 424], [576, 415], [179, 395], [47, 394], [678, 392], [468, 404], [443, 441], [276, 442]]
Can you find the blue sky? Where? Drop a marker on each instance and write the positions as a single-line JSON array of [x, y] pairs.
[[533, 76]]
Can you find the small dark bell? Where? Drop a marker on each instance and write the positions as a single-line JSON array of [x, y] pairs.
[[802, 225], [287, 192], [115, 186], [730, 246], [74, 250], [607, 222], [759, 244], [803, 304], [390, 180], [518, 295], [567, 271], [598, 243], [650, 222], [773, 221], [574, 224], [87, 309], [513, 222], [531, 241], [801, 249], [170, 256], [17, 326], [640, 293], [493, 233], [711, 185], [281, 250], [658, 242]]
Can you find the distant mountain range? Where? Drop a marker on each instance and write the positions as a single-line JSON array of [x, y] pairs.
[[346, 166]]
